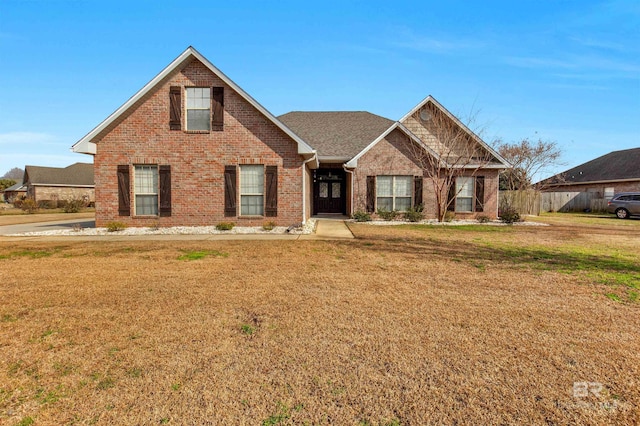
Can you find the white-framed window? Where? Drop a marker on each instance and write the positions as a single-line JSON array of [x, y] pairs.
[[252, 190], [464, 194], [609, 192], [145, 190], [198, 108], [393, 192]]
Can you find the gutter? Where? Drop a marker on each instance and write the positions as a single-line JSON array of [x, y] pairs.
[[304, 186], [344, 167]]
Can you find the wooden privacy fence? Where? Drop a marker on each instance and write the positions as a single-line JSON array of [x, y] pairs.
[[533, 202], [525, 202]]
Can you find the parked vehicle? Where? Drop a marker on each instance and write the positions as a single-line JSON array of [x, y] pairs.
[[625, 204]]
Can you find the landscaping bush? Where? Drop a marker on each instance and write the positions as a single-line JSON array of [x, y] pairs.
[[387, 215], [17, 203], [268, 226], [73, 206], [29, 205], [47, 204], [361, 216], [510, 215], [484, 218], [225, 226], [115, 226], [414, 214]]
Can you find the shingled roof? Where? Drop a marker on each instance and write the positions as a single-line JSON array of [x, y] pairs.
[[617, 165], [338, 134], [78, 174]]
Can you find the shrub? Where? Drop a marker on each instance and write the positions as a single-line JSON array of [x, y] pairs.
[[449, 216], [73, 206], [115, 226], [17, 203], [387, 215], [361, 216], [268, 226], [29, 205], [47, 204], [414, 214], [509, 215], [484, 218], [225, 226]]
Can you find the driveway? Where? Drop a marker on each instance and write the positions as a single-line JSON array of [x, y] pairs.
[[47, 226]]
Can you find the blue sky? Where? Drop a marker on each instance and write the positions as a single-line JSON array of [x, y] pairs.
[[566, 71]]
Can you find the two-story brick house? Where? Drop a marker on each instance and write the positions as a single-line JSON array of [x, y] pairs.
[[193, 148]]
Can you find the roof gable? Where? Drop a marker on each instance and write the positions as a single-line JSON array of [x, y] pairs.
[[78, 174], [86, 145], [616, 165], [497, 162]]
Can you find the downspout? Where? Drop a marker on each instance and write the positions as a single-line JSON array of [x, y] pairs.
[[344, 167], [304, 186]]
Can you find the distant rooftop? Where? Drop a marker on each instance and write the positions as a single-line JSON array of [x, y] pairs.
[[617, 165], [76, 174]]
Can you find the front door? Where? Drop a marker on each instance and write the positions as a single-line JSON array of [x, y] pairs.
[[328, 191]]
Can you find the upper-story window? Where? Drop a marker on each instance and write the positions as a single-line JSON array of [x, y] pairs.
[[199, 108]]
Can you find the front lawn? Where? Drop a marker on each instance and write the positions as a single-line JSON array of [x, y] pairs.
[[406, 325]]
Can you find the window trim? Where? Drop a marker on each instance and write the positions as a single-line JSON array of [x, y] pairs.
[[472, 197], [393, 191], [136, 193], [241, 193], [187, 109]]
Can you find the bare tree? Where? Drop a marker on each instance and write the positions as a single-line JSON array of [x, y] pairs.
[[16, 174], [529, 160], [446, 149]]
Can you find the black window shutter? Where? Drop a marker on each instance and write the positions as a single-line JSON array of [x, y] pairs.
[[230, 190], [217, 106], [175, 108], [417, 191], [451, 199], [165, 190], [124, 203], [371, 194], [271, 201], [479, 193]]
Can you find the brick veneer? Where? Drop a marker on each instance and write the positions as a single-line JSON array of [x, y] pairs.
[[391, 156], [197, 160]]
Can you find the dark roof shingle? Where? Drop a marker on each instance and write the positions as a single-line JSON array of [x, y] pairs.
[[336, 133], [75, 174], [616, 165]]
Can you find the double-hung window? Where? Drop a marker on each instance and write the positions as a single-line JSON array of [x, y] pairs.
[[393, 192], [146, 190], [464, 194], [252, 190], [199, 108]]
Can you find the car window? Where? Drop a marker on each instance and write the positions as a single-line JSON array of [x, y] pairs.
[[624, 198], [635, 197]]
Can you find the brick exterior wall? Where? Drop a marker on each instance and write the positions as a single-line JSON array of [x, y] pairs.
[[391, 156], [197, 160], [59, 193], [618, 187]]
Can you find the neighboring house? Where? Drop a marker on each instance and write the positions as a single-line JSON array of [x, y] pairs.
[[618, 171], [193, 148], [14, 192], [57, 184]]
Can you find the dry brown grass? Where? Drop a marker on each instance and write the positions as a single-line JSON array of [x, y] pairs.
[[411, 326]]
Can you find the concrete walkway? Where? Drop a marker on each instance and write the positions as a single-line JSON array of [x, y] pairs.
[[329, 229], [47, 226]]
